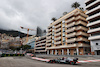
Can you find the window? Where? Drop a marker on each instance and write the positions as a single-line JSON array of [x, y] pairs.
[[63, 34], [63, 30], [53, 27], [74, 49], [63, 21], [63, 43], [96, 43], [53, 41]]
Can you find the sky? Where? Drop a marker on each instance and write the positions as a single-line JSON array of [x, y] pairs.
[[32, 13]]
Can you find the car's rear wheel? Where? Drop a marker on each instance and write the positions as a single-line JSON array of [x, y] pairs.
[[59, 62], [72, 62], [53, 61]]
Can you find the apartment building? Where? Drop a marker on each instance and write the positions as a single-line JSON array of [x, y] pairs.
[[40, 45], [93, 12], [5, 41], [68, 35]]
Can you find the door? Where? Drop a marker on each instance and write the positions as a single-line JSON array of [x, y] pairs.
[[98, 52]]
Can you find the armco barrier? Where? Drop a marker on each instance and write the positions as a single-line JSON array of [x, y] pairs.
[[7, 55]]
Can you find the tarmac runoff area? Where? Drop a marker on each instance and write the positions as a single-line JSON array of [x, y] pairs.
[[26, 62], [89, 59]]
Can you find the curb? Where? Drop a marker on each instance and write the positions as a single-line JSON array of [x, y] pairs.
[[46, 60]]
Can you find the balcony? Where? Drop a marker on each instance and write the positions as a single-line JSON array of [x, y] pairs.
[[94, 30], [82, 39], [81, 18], [49, 30], [64, 17], [92, 10], [70, 45], [43, 40], [81, 22], [41, 44], [82, 33], [49, 26], [71, 30], [82, 28], [93, 23], [71, 24], [40, 50], [93, 16], [58, 34], [69, 15], [83, 45], [71, 35], [59, 42], [94, 37], [82, 14], [69, 20], [49, 40], [90, 5], [49, 33], [71, 40], [58, 30], [58, 26], [48, 44], [38, 42], [49, 37], [39, 47], [87, 1], [78, 45], [58, 38]]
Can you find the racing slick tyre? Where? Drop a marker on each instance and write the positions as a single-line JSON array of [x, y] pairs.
[[72, 62], [59, 62], [51, 61]]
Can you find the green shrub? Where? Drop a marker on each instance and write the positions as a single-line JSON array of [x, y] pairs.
[[18, 54], [14, 55], [4, 55], [8, 54]]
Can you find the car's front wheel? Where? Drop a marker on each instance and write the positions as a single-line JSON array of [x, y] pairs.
[[72, 62]]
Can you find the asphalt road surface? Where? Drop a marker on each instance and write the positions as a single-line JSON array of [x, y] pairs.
[[26, 62]]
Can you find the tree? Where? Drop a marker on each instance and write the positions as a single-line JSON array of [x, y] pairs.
[[81, 8], [64, 13], [75, 5], [53, 19], [26, 47]]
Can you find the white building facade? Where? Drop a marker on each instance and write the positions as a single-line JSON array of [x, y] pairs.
[[93, 12]]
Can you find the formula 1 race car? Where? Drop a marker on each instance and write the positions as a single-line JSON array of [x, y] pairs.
[[64, 60]]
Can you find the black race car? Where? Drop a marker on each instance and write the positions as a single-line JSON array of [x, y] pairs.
[[64, 60]]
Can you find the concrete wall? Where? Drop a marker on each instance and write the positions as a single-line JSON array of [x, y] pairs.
[[94, 46]]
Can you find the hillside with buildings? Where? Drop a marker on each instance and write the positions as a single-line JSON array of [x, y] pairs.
[[13, 33]]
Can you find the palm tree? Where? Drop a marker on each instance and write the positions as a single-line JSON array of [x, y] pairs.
[[75, 5], [53, 19], [64, 13]]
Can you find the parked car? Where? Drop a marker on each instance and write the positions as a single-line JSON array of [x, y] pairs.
[[64, 60]]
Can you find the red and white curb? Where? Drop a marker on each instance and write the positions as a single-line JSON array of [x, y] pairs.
[[29, 54], [40, 59], [84, 61], [46, 60]]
